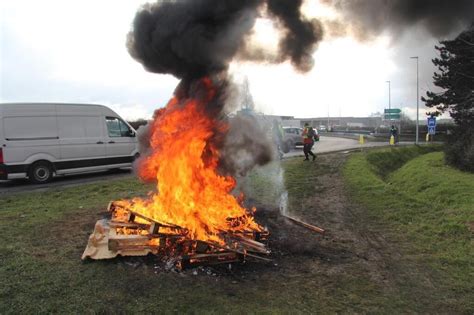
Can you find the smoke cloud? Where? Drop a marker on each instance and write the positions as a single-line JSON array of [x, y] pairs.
[[195, 38], [301, 35], [246, 146], [439, 17], [190, 39]]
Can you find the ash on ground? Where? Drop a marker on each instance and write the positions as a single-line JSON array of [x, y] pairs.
[[287, 242]]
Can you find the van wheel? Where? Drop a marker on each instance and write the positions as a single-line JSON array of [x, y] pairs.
[[40, 172]]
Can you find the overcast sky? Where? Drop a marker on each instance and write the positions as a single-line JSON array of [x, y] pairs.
[[74, 51]]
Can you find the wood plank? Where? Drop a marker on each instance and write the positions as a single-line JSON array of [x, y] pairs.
[[242, 252], [306, 225], [119, 224], [252, 245], [130, 238]]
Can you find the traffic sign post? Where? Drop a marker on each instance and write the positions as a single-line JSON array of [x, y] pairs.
[[431, 126], [392, 117], [392, 113]]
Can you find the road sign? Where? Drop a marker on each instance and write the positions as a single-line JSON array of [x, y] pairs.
[[432, 121], [392, 111], [391, 116], [432, 125]]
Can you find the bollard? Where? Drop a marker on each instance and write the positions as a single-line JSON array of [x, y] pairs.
[[427, 137], [392, 140], [361, 139]]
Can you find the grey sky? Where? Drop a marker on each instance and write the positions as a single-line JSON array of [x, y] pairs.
[[74, 51]]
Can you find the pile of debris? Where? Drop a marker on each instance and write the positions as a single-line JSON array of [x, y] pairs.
[[128, 233]]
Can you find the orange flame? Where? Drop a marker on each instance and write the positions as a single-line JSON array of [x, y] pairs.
[[190, 192]]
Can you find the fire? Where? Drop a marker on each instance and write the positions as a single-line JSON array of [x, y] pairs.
[[190, 192]]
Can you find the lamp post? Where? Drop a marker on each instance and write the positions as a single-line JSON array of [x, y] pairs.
[[417, 100], [327, 127], [389, 101]]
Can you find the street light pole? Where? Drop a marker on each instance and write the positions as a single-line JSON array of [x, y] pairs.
[[389, 101], [327, 127], [417, 100]]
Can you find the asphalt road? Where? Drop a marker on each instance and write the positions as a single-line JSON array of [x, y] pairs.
[[325, 145], [333, 144], [22, 185]]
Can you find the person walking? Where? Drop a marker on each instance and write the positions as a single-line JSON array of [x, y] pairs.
[[308, 141]]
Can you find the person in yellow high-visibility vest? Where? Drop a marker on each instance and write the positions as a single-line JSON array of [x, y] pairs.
[[308, 141], [394, 133]]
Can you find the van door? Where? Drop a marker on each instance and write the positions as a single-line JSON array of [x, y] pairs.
[[29, 136], [120, 141], [81, 137]]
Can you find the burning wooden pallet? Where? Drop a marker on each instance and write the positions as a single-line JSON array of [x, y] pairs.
[[128, 233]]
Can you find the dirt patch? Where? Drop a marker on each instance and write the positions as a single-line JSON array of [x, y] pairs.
[[348, 247], [345, 230]]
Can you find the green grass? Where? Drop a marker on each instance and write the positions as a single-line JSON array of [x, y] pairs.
[[385, 161], [44, 234], [428, 208]]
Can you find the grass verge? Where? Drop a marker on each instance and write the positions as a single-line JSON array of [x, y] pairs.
[[386, 161], [428, 208], [45, 233]]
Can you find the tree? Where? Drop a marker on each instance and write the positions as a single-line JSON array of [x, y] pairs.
[[406, 122], [456, 81], [137, 123]]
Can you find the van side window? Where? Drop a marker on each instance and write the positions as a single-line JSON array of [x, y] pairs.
[[30, 128], [117, 128]]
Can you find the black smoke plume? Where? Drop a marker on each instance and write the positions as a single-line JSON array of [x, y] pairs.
[[439, 17], [190, 39], [302, 35], [195, 38]]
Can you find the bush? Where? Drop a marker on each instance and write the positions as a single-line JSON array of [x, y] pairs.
[[137, 123], [460, 148]]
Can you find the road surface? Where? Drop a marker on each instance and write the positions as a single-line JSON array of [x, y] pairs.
[[326, 144], [22, 185], [333, 144]]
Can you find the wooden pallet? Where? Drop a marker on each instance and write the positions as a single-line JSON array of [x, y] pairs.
[[128, 233]]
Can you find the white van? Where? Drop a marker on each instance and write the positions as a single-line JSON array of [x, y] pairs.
[[39, 140]]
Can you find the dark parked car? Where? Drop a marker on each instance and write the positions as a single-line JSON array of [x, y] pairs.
[[293, 136]]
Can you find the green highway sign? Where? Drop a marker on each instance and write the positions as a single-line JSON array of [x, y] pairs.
[[392, 111], [392, 116]]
